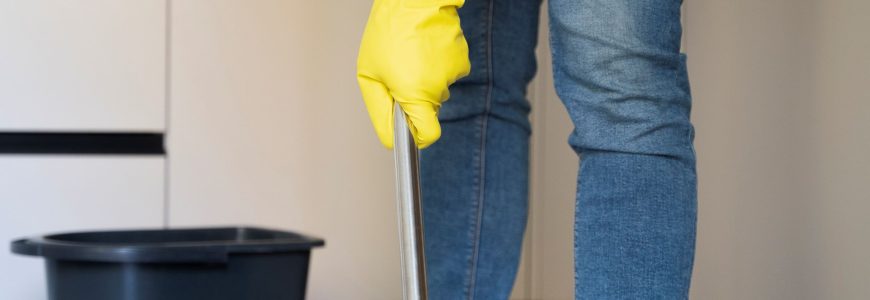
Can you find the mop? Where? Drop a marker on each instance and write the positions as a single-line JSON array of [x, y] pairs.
[[410, 210]]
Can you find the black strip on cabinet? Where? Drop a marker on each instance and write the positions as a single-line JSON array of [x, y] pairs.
[[81, 143]]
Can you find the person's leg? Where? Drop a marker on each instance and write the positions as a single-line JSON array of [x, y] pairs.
[[475, 178], [619, 71]]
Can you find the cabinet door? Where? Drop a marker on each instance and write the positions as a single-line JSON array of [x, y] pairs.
[[82, 65], [43, 194]]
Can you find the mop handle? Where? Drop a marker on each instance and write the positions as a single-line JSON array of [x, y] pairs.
[[410, 210]]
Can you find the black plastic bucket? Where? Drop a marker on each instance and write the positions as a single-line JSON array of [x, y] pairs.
[[176, 264]]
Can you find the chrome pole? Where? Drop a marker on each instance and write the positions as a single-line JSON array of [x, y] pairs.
[[410, 210]]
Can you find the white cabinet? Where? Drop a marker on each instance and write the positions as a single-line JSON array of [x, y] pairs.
[[78, 66], [82, 65], [41, 194]]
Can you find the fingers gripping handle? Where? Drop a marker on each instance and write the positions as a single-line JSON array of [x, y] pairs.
[[410, 209]]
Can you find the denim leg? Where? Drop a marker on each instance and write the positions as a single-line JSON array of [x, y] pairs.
[[475, 178], [620, 74]]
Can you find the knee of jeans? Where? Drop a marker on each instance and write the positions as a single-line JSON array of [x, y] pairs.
[[471, 100], [674, 139], [633, 107]]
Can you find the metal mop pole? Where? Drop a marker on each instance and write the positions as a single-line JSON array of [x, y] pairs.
[[410, 210]]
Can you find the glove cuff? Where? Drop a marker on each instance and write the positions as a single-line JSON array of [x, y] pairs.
[[432, 3]]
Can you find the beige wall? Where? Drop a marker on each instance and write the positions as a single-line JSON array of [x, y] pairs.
[[268, 128]]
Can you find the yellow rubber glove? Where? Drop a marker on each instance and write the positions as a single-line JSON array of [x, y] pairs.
[[411, 51]]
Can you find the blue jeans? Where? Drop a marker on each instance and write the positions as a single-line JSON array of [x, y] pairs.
[[620, 74]]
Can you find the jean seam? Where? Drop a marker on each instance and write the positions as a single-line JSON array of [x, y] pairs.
[[482, 157], [576, 235], [682, 77]]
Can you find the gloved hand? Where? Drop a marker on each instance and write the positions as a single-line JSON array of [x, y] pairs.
[[411, 51]]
